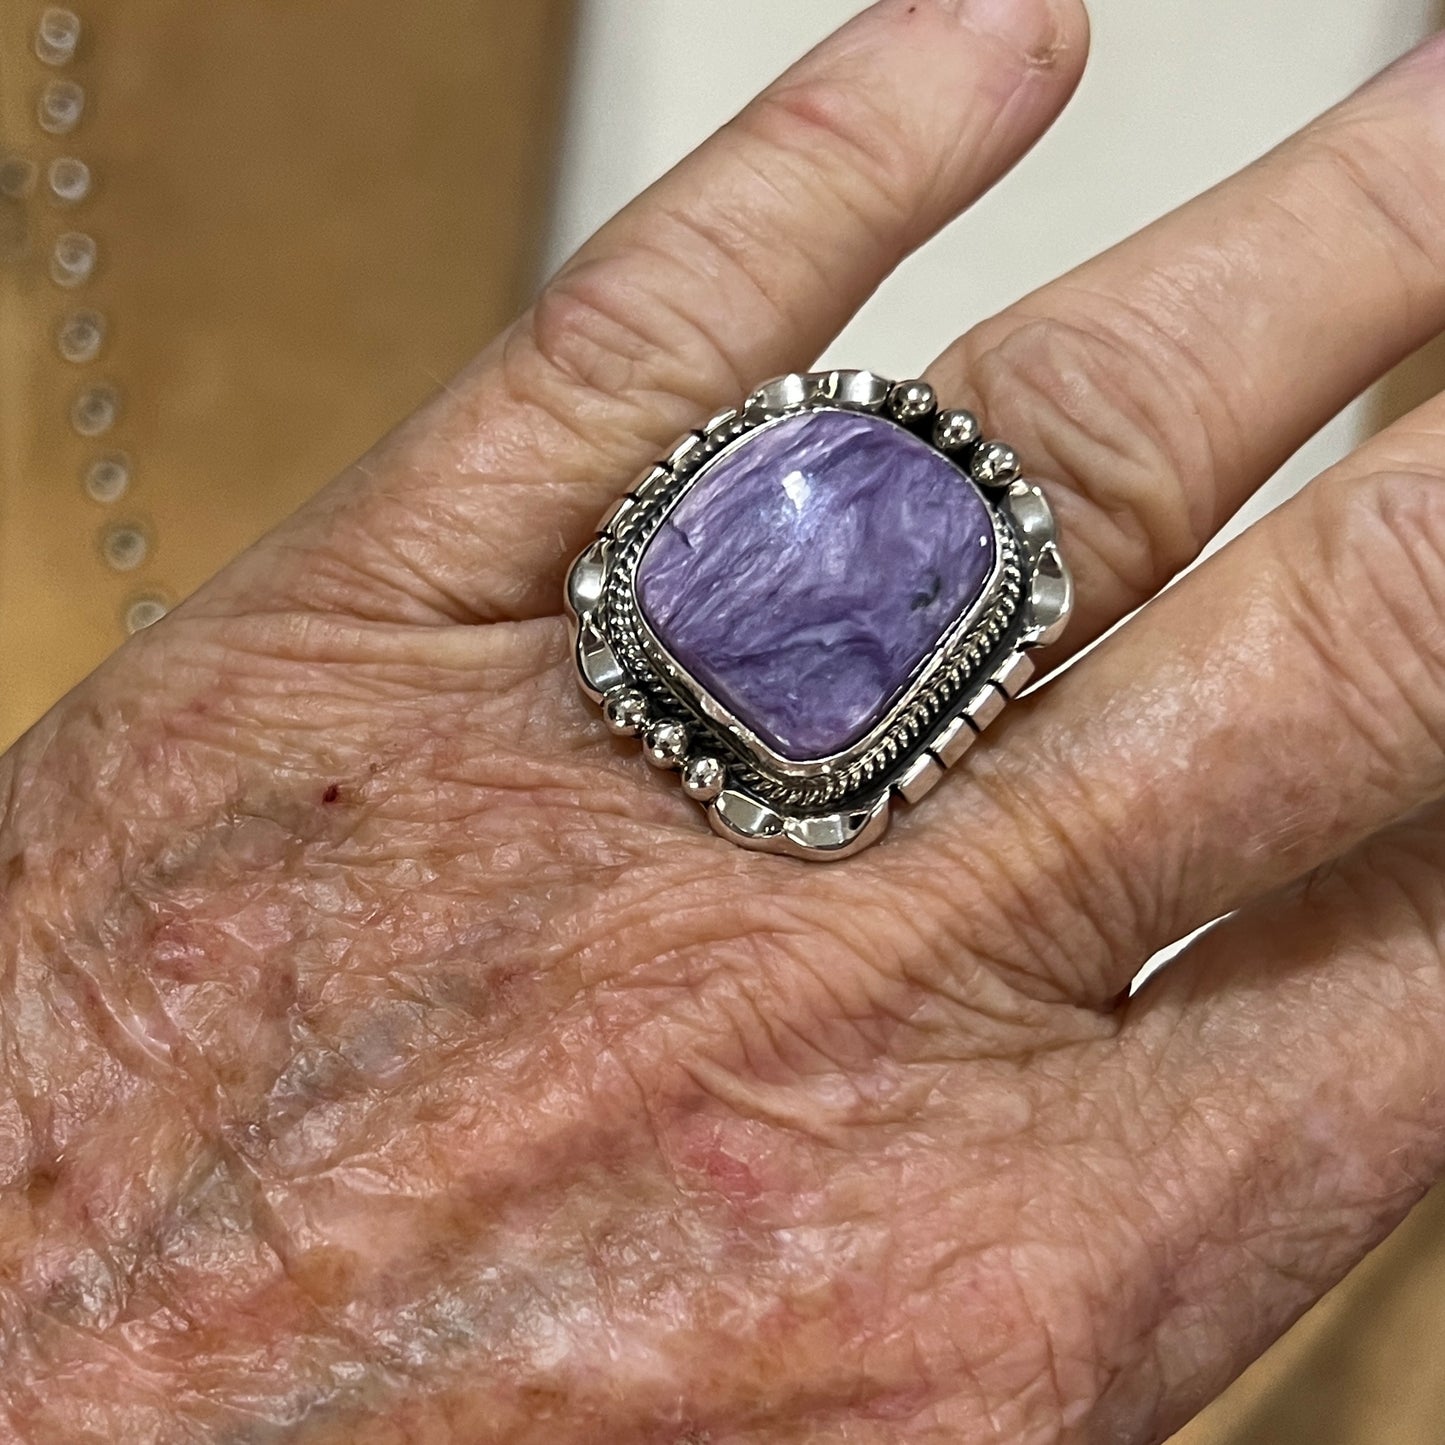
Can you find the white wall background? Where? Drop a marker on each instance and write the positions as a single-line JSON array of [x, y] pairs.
[[1178, 94]]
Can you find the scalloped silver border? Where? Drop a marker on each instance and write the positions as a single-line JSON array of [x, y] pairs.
[[830, 808]]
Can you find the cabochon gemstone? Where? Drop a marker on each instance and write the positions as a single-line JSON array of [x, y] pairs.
[[810, 569]]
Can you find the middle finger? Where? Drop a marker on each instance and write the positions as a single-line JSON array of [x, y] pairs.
[[1161, 383]]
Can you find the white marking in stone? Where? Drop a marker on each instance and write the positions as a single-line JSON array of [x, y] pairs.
[[796, 485]]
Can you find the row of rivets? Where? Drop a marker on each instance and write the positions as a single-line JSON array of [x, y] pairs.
[[68, 178], [81, 335]]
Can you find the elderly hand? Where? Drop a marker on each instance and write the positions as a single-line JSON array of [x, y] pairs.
[[387, 1057]]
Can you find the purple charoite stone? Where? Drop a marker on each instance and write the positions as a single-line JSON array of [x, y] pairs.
[[810, 570]]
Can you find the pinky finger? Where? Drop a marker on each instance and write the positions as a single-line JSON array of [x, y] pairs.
[[1297, 1055]]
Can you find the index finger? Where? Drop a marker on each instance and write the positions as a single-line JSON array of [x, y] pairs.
[[743, 261]]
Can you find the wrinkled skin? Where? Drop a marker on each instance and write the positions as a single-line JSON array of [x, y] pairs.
[[388, 1057]]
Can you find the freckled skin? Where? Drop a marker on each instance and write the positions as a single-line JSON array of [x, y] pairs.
[[459, 1102], [498, 1101]]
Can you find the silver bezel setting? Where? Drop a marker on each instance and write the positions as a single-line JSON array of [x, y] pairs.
[[823, 808]]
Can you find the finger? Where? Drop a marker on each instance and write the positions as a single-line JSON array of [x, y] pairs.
[[1293, 1059], [1277, 706], [742, 262], [1158, 385]]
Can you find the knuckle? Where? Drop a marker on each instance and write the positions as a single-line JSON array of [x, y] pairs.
[[632, 325], [600, 329], [828, 135], [1116, 405], [1370, 605], [1383, 536], [1386, 179]]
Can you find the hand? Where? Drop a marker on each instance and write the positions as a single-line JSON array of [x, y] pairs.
[[389, 1058]]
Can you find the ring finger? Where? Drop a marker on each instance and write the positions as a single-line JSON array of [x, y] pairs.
[[1279, 705]]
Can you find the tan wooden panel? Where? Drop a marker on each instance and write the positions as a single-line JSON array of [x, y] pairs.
[[307, 213]]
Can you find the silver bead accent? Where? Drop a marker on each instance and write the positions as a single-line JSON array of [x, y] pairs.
[[17, 177], [95, 411], [994, 465], [107, 478], [664, 745], [70, 180], [124, 547], [955, 430], [625, 713], [72, 259], [143, 612], [704, 778], [81, 336], [57, 36], [911, 401], [62, 103]]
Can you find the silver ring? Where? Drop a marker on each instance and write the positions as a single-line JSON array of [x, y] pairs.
[[813, 606]]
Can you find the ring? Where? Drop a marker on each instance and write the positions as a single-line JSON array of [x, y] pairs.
[[813, 606]]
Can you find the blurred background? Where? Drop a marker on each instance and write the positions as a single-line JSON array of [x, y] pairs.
[[240, 239]]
